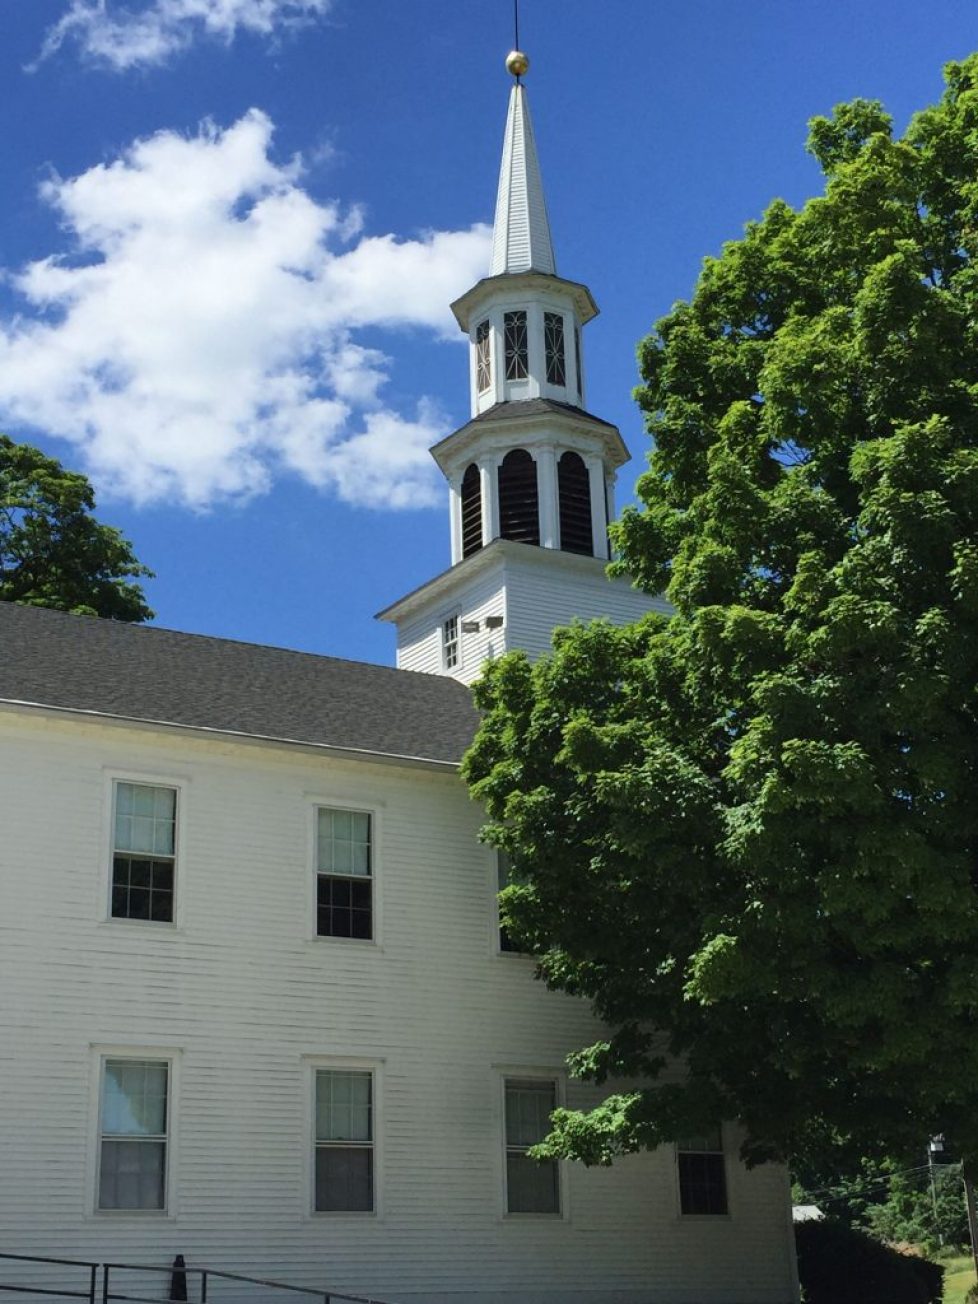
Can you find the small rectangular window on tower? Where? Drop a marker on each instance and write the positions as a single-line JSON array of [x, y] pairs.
[[517, 364], [578, 361], [483, 357], [553, 336], [449, 643]]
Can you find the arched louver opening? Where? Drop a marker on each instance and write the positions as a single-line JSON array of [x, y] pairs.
[[574, 498], [471, 511], [519, 514]]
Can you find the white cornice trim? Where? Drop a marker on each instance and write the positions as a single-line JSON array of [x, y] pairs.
[[499, 553], [16, 705], [499, 435], [516, 286]]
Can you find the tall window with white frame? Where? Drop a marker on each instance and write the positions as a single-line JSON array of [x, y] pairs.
[[144, 852], [702, 1174], [553, 338], [344, 1141], [483, 357], [514, 339], [449, 643], [133, 1134], [532, 1185], [344, 873]]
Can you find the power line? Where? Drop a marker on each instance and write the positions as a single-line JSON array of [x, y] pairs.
[[870, 1183]]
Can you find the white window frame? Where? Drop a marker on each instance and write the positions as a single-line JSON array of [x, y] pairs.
[[113, 776], [483, 354], [315, 1064], [375, 808], [449, 643], [163, 1055], [677, 1149], [517, 1072]]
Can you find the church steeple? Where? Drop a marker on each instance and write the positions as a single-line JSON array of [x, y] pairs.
[[521, 240], [533, 465], [531, 475]]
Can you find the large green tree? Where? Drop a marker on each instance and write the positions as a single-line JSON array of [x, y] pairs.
[[53, 552], [749, 833]]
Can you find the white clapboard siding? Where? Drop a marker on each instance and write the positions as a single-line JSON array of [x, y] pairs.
[[544, 591], [244, 997], [419, 642]]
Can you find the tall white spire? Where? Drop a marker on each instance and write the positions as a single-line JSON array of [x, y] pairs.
[[521, 239]]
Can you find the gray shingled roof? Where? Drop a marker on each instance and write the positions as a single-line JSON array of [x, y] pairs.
[[140, 672]]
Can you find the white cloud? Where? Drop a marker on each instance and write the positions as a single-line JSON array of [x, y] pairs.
[[199, 340], [122, 34]]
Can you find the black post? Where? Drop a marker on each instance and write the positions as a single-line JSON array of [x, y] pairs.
[[178, 1278], [105, 1283], [92, 1283], [203, 1287]]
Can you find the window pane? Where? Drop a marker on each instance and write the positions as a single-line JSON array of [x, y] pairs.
[[702, 1183], [360, 826], [553, 332], [344, 1178], [708, 1142], [343, 907], [142, 888], [132, 1175], [145, 818], [528, 1109], [343, 1105], [483, 356], [134, 1098], [531, 1187], [514, 330], [343, 842]]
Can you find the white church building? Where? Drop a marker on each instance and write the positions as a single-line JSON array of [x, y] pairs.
[[255, 1005]]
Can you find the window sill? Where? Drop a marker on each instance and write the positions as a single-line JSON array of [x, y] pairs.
[[534, 1217], [325, 939], [158, 926], [161, 1215], [328, 1215]]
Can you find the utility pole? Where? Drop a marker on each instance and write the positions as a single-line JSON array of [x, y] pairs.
[[935, 1146]]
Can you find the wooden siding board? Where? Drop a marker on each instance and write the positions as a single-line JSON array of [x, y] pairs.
[[247, 998]]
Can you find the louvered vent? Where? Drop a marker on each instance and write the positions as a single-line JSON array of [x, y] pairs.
[[519, 514], [574, 497], [471, 511]]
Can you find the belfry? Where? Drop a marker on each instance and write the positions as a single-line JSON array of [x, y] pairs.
[[532, 474]]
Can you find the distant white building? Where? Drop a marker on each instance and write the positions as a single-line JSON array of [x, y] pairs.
[[255, 1007]]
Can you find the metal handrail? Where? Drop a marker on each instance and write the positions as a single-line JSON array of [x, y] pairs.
[[43, 1290], [91, 1294], [326, 1296]]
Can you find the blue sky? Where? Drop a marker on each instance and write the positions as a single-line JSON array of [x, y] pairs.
[[231, 229]]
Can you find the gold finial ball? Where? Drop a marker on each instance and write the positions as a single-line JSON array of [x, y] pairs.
[[517, 63]]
